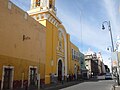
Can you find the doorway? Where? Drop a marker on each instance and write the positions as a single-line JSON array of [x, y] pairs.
[[60, 70], [33, 76], [7, 79], [75, 71]]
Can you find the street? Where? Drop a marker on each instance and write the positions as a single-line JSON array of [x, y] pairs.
[[92, 85]]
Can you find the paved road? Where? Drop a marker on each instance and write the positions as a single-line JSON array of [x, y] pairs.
[[92, 85]]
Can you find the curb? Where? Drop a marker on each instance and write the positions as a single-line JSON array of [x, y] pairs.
[[61, 85], [113, 87]]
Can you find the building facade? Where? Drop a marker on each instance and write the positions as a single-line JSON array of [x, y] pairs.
[[84, 71], [101, 66], [91, 65], [94, 63], [58, 45], [75, 62], [34, 49], [22, 48]]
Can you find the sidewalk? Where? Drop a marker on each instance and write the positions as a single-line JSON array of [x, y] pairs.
[[116, 88], [65, 84], [60, 85], [54, 86]]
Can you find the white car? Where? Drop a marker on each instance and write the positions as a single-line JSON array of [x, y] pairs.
[[101, 77]]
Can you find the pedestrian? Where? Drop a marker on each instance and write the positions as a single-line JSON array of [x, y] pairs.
[[70, 77], [74, 77], [67, 77], [62, 79]]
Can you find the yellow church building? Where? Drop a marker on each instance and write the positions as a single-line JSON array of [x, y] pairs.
[[58, 45], [34, 46]]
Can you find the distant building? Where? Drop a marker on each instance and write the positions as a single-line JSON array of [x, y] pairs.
[[94, 63], [84, 71], [74, 61], [100, 63], [91, 65]]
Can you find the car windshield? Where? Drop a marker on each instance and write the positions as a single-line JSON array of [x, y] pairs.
[[108, 74]]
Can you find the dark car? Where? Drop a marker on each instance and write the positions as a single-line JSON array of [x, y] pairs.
[[108, 76]]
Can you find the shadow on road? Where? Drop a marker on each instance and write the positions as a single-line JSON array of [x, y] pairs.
[[68, 84]]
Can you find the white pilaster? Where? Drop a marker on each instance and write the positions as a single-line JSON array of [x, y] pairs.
[[48, 3], [32, 5]]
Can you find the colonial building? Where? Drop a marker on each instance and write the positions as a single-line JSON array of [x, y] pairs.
[[74, 61], [58, 45], [22, 48], [101, 66], [33, 49], [94, 63], [84, 71], [91, 63]]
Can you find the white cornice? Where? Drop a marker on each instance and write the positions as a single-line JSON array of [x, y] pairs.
[[44, 11]]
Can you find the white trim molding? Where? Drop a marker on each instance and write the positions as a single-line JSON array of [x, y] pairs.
[[65, 47], [62, 67]]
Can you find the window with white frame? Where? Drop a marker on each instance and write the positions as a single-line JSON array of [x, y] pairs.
[[74, 54]]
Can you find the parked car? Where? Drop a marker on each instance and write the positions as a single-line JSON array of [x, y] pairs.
[[108, 76], [101, 77]]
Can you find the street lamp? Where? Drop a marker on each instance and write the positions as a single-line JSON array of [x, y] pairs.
[[112, 50], [109, 28]]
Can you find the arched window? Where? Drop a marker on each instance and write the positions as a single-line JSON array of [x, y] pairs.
[[50, 4], [38, 3]]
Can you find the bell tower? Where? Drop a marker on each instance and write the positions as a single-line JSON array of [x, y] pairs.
[[44, 5], [44, 12]]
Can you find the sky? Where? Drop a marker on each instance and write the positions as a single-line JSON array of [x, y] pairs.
[[83, 21]]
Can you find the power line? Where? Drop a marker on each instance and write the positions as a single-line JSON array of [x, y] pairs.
[[80, 18]]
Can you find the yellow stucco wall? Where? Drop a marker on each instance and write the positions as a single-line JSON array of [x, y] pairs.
[[14, 51], [47, 18], [74, 61]]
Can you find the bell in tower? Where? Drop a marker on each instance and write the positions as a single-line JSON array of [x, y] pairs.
[[51, 3], [44, 4], [35, 3], [51, 6]]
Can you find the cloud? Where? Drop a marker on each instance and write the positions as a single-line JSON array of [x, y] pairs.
[[113, 14], [81, 28], [91, 35], [23, 4]]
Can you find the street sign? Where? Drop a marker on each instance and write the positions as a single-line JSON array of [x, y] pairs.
[[114, 59]]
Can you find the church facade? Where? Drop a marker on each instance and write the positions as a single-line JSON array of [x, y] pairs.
[[34, 46], [58, 45]]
